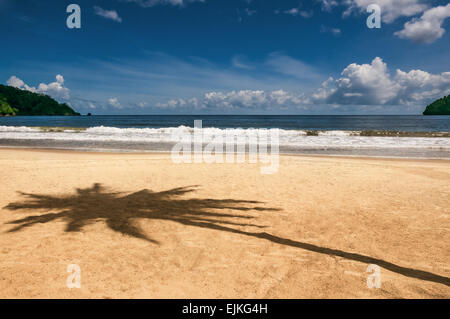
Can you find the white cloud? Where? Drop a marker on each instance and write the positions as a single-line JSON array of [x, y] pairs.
[[243, 99], [292, 12], [298, 12], [107, 14], [390, 9], [152, 3], [327, 5], [18, 83], [428, 28], [114, 102], [60, 79], [56, 89], [372, 84], [418, 85], [360, 86], [178, 103], [235, 99], [142, 104]]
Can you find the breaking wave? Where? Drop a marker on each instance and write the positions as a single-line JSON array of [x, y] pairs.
[[290, 138]]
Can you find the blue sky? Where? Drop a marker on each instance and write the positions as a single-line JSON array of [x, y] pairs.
[[229, 56]]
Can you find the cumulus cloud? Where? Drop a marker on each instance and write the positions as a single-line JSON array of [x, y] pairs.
[[418, 85], [362, 85], [142, 104], [18, 83], [107, 14], [390, 9], [114, 102], [55, 89], [372, 84], [179, 103], [428, 28], [243, 99], [152, 3]]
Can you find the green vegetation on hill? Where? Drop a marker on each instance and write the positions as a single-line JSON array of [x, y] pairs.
[[21, 102], [439, 107], [5, 108]]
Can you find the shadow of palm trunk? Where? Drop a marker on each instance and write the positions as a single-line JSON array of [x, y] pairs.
[[408, 272]]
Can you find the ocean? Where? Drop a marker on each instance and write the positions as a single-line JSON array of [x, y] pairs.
[[412, 136]]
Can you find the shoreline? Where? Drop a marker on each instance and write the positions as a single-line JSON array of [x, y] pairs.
[[119, 136], [139, 152]]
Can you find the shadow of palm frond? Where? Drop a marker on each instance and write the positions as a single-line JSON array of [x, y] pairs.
[[120, 211]]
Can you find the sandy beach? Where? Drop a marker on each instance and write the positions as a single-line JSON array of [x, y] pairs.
[[141, 226]]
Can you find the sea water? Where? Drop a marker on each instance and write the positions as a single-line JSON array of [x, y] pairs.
[[383, 136]]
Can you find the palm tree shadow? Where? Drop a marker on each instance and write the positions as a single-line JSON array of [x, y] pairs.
[[120, 212]]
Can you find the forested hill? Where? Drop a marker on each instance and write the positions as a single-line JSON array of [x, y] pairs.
[[439, 107], [15, 101]]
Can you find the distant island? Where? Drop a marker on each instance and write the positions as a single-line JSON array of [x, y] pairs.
[[439, 107], [14, 101]]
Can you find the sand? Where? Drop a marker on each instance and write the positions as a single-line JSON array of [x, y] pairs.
[[140, 226]]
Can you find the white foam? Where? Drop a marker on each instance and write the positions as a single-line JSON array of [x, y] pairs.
[[17, 129], [291, 138]]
